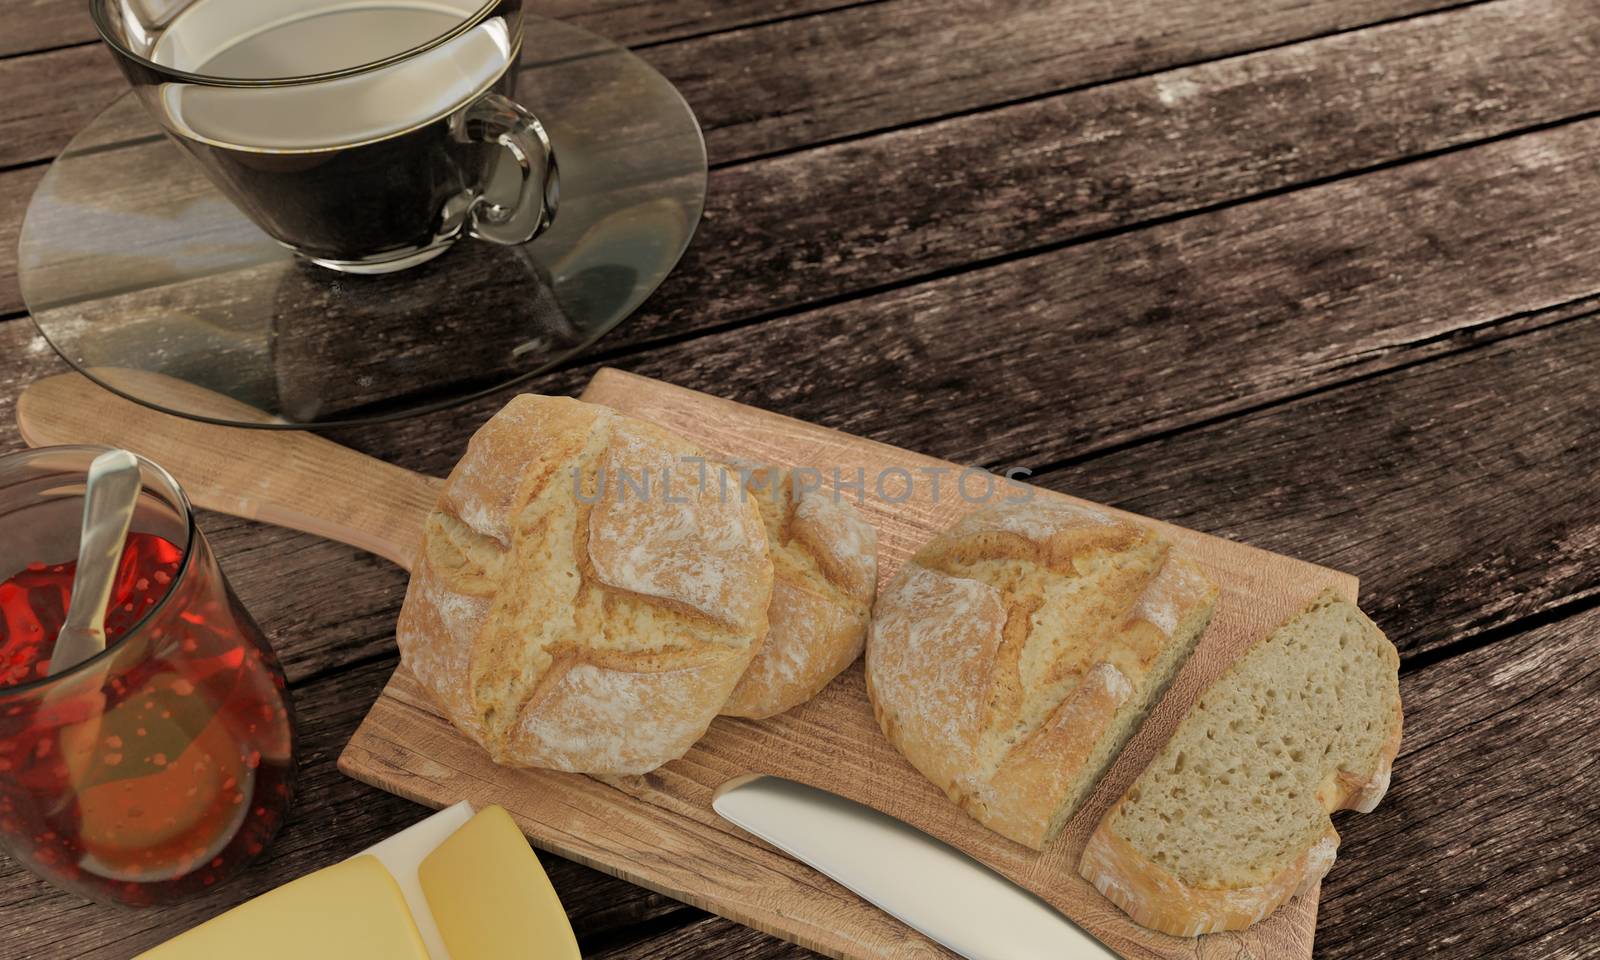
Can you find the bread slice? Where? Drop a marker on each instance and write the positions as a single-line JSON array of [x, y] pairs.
[[1232, 817], [1015, 654]]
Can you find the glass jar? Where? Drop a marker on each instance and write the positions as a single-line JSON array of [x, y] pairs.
[[163, 765]]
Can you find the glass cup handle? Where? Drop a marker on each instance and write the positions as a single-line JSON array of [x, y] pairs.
[[497, 119]]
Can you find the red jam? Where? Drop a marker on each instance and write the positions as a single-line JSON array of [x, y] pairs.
[[33, 604], [160, 770]]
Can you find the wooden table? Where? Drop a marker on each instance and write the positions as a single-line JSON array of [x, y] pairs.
[[1320, 275]]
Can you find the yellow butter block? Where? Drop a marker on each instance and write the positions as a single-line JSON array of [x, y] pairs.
[[350, 911], [490, 897]]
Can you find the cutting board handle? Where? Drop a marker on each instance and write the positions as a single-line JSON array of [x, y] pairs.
[[285, 477]]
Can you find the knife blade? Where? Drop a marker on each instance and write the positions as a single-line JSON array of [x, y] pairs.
[[921, 881]]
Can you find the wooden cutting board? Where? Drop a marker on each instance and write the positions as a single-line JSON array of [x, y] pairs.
[[658, 830]]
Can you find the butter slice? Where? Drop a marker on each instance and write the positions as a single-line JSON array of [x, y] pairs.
[[402, 853], [490, 897], [350, 911]]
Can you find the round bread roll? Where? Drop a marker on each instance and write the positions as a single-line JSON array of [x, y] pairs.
[[584, 600], [825, 573], [1015, 654]]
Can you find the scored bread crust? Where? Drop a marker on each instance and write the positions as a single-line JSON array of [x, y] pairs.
[[825, 575], [944, 650], [565, 620], [1050, 763], [1159, 899]]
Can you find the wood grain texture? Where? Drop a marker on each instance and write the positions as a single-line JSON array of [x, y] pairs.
[[1493, 812], [39, 24], [1461, 491], [16, 189], [658, 829], [57, 92], [1244, 279], [709, 936], [844, 73], [826, 223], [1162, 327], [860, 70], [1096, 159]]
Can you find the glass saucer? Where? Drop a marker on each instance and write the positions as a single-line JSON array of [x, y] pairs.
[[132, 264]]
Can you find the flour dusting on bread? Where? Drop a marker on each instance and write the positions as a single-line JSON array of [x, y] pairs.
[[672, 536], [563, 624], [1017, 709], [825, 575]]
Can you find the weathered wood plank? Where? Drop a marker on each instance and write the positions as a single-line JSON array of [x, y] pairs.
[[333, 817], [655, 21], [1092, 161], [708, 937], [817, 78], [828, 222], [16, 188], [55, 94], [42, 24], [1461, 491], [1087, 347], [880, 66], [34, 25], [1487, 845]]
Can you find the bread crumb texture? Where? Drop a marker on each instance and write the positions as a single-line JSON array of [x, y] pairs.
[[1232, 817]]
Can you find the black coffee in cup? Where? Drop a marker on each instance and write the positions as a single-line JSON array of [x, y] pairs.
[[361, 135]]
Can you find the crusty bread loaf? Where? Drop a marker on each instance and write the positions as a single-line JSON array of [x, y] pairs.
[[1231, 818], [1016, 653], [825, 574], [583, 599]]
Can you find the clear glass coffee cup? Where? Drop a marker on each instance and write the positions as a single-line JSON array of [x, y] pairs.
[[366, 136]]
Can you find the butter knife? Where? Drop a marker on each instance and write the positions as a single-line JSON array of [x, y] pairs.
[[924, 883]]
